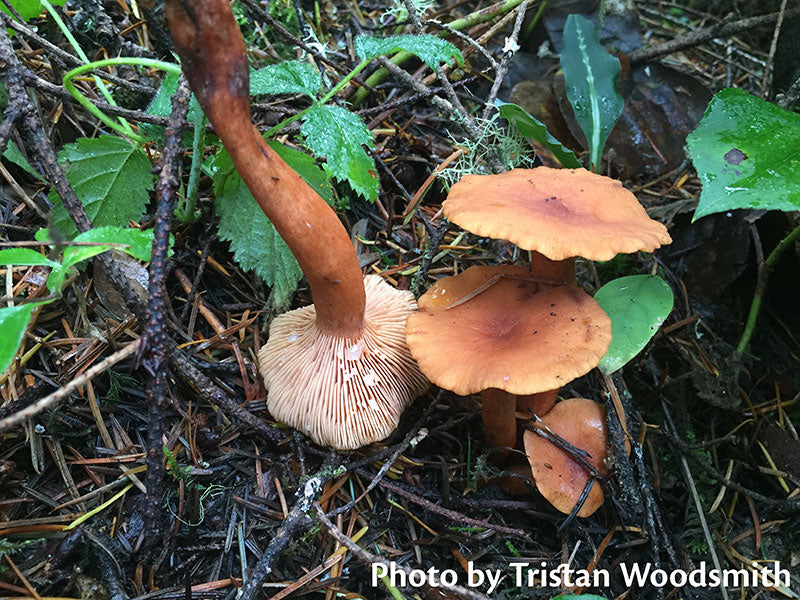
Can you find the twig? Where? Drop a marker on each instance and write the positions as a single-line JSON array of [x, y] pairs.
[[370, 559], [766, 83], [294, 520], [61, 393], [700, 36], [509, 49], [156, 340]]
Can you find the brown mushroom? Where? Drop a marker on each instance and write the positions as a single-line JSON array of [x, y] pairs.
[[354, 361], [559, 478], [494, 328]]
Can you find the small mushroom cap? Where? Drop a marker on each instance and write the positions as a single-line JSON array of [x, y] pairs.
[[514, 334], [560, 213], [561, 479], [343, 393]]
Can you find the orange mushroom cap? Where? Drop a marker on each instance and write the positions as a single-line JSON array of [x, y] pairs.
[[560, 213], [515, 334], [343, 393], [559, 478]]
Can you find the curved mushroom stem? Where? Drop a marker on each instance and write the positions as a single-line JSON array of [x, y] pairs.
[[214, 59], [552, 270], [498, 412], [540, 403]]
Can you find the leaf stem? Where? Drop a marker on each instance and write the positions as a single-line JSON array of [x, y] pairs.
[[82, 55], [83, 101], [331, 93], [761, 286]]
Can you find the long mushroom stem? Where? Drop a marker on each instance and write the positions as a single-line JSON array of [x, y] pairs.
[[214, 59]]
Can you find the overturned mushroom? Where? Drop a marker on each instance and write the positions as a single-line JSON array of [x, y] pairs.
[[559, 477], [339, 371]]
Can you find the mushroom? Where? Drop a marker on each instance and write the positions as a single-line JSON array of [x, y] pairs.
[[558, 476], [558, 214], [495, 328], [339, 371]]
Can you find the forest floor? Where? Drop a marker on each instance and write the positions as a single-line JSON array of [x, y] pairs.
[[714, 470]]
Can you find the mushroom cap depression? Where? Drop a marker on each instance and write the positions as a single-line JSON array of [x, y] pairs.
[[343, 393], [559, 478], [560, 213], [512, 333]]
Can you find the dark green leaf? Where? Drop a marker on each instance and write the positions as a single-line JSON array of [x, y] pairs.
[[339, 136], [139, 244], [161, 106], [430, 49], [13, 154], [289, 77], [590, 77], [307, 168], [111, 178], [747, 155], [531, 127], [637, 305], [24, 257], [13, 322]]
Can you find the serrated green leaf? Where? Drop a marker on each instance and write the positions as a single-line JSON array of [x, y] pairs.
[[255, 243], [13, 322], [747, 155], [529, 126], [637, 305], [111, 178], [339, 136], [430, 49], [161, 105], [590, 78], [288, 77], [24, 257]]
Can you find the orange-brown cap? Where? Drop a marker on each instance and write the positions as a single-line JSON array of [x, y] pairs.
[[512, 333], [561, 479], [343, 393], [560, 213]]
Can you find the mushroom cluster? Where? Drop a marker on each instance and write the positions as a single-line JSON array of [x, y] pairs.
[[339, 371], [515, 335]]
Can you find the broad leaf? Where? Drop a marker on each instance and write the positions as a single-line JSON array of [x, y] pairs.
[[339, 136], [255, 243], [637, 305], [531, 127], [747, 155], [13, 322], [590, 77], [161, 105], [430, 49], [24, 257], [111, 178], [289, 77]]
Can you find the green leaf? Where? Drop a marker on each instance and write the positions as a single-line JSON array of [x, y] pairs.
[[637, 305], [139, 243], [161, 106], [24, 257], [590, 77], [430, 49], [28, 9], [529, 126], [255, 242], [13, 322], [111, 178], [339, 135], [289, 77], [13, 154], [747, 155], [578, 597]]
